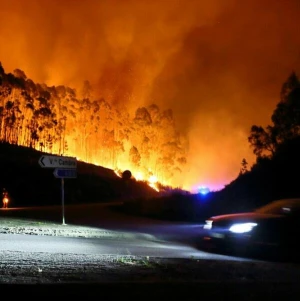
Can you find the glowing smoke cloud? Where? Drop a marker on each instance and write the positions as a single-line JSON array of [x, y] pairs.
[[218, 64]]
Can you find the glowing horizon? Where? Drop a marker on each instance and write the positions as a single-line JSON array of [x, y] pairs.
[[215, 64]]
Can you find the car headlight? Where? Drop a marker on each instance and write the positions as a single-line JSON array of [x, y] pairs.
[[208, 224], [242, 228]]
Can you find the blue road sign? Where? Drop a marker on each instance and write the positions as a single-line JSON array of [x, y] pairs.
[[65, 173]]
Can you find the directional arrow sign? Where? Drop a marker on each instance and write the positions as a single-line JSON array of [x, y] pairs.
[[65, 173], [58, 162]]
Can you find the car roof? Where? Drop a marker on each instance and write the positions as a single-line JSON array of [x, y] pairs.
[[276, 205], [288, 200]]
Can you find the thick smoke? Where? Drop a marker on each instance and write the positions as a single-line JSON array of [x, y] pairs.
[[218, 64]]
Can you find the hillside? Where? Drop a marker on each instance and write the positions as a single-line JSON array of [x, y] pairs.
[[30, 184], [268, 179]]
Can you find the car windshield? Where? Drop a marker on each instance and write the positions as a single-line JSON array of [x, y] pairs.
[[280, 207]]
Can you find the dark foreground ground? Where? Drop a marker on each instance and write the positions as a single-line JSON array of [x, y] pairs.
[[41, 276], [156, 291]]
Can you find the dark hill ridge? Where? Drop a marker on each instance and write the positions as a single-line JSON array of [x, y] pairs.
[[30, 184]]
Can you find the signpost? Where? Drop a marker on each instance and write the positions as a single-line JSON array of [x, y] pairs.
[[57, 162], [65, 173], [65, 167]]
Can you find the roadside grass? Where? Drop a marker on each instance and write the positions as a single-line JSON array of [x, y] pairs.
[[133, 260], [124, 259]]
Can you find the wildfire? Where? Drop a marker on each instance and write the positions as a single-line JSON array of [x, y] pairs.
[[139, 176], [145, 141], [118, 173], [152, 180]]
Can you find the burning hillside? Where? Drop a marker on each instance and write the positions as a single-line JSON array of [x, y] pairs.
[[58, 120], [217, 64]]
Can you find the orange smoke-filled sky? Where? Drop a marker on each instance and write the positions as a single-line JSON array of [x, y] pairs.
[[218, 64]]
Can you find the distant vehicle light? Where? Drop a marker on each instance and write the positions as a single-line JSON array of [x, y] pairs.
[[242, 228], [5, 202]]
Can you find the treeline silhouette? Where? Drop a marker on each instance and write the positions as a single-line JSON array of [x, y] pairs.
[[62, 120], [274, 175]]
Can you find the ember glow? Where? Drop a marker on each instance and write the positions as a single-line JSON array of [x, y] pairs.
[[218, 65], [151, 180]]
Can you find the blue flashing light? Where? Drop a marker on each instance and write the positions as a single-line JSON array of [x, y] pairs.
[[203, 190]]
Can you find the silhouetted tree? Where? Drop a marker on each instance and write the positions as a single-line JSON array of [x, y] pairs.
[[263, 141], [244, 166], [285, 118], [288, 86]]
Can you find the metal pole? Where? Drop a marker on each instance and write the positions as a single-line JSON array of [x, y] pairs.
[[63, 201]]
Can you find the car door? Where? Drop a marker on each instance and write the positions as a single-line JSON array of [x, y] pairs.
[[291, 231]]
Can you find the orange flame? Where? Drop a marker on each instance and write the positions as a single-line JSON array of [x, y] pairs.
[[151, 181]]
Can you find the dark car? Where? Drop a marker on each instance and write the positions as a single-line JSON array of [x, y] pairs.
[[272, 230]]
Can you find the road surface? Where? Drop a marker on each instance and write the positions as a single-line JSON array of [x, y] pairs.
[[128, 235], [104, 246], [106, 254]]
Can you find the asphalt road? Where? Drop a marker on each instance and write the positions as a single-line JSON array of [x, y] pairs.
[[113, 266], [104, 246], [122, 234]]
